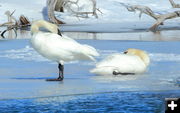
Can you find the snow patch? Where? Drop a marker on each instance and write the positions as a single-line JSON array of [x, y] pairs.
[[29, 54]]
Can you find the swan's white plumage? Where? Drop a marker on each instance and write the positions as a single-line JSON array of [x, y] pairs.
[[123, 63], [60, 48]]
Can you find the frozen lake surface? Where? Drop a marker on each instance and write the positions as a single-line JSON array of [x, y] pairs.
[[23, 86], [23, 71]]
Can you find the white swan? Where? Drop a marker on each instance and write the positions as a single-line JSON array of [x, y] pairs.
[[133, 61], [58, 47]]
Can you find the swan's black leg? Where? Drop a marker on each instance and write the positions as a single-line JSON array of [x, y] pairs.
[[61, 74], [61, 71]]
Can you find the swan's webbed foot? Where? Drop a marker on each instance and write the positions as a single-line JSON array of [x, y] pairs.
[[61, 74], [55, 79], [127, 73], [119, 73]]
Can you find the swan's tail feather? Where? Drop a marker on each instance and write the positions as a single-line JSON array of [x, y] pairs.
[[90, 50], [92, 58], [93, 71]]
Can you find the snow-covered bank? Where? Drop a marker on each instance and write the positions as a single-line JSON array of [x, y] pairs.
[[27, 53], [31, 9], [113, 11]]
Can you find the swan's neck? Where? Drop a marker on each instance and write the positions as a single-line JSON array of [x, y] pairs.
[[34, 29], [145, 58], [49, 26]]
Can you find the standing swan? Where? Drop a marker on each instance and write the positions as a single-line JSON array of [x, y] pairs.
[[133, 61], [58, 47]]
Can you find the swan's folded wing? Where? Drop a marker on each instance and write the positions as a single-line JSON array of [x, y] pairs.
[[69, 49], [90, 50], [104, 70], [121, 62], [109, 60]]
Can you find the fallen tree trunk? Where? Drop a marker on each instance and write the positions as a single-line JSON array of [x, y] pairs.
[[163, 17], [59, 6], [68, 5], [160, 18], [174, 5], [51, 4], [23, 20]]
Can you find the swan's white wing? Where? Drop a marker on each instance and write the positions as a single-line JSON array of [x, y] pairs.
[[81, 51], [58, 48], [68, 38], [104, 70], [108, 60], [121, 62], [86, 49]]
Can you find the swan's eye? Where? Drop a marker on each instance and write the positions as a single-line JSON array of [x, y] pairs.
[[125, 52]]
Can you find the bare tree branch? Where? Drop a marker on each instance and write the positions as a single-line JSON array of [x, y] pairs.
[[164, 17], [61, 5], [174, 5], [78, 13], [160, 18], [11, 18], [13, 24]]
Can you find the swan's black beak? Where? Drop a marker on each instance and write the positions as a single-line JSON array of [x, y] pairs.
[[125, 52], [59, 32]]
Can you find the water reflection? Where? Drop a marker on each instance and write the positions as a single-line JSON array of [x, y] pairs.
[[15, 34], [171, 35], [166, 35], [126, 102]]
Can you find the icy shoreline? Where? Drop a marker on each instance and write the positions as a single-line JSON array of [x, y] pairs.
[[113, 11]]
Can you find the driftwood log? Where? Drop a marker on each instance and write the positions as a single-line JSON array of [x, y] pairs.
[[160, 18], [13, 23], [174, 5], [51, 5], [61, 5]]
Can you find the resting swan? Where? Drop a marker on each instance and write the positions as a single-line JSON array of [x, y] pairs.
[[133, 61], [58, 47]]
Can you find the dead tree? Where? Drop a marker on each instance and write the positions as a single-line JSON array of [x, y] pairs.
[[61, 5], [174, 5], [160, 18], [11, 19], [13, 23], [23, 21], [68, 3], [51, 4]]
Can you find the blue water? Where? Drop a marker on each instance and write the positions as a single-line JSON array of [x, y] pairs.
[[23, 87], [114, 102]]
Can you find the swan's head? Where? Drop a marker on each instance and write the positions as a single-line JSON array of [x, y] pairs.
[[42, 23], [140, 53]]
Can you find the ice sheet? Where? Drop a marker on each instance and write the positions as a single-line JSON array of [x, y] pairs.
[[22, 78]]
